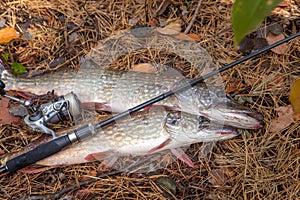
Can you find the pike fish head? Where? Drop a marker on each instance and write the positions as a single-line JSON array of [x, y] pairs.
[[213, 103], [192, 129]]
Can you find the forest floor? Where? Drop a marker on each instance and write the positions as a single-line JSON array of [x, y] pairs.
[[257, 164]]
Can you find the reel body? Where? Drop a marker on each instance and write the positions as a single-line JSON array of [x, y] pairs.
[[64, 108], [39, 117]]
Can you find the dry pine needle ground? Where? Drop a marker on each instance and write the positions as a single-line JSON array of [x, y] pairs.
[[255, 165]]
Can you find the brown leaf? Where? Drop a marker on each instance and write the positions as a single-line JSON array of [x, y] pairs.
[[183, 36], [8, 34], [284, 119], [284, 3], [2, 152], [143, 67], [195, 37], [172, 28], [272, 38], [218, 178], [5, 116], [166, 31], [233, 86], [153, 23], [295, 98], [275, 80]]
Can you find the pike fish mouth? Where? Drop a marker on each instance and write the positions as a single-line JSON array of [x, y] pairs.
[[235, 115]]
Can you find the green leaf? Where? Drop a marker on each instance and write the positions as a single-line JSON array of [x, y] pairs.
[[187, 2], [5, 56], [18, 69], [248, 15]]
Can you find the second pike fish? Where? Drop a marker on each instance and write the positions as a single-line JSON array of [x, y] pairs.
[[143, 133], [118, 91]]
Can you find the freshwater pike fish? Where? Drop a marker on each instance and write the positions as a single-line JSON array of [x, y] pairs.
[[143, 133], [118, 91]]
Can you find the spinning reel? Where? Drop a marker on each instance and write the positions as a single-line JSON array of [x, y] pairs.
[[40, 116]]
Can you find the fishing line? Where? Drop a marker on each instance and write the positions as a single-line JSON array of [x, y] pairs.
[[57, 144]]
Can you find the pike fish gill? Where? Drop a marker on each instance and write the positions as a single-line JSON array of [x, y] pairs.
[[118, 91]]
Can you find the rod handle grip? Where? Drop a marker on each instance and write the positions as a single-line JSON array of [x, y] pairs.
[[38, 153]]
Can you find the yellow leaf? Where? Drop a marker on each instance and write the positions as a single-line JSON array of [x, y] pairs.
[[295, 98], [8, 34]]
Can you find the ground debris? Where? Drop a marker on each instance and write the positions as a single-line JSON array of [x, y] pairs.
[[256, 164]]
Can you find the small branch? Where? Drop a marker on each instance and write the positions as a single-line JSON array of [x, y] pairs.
[[91, 180], [194, 18]]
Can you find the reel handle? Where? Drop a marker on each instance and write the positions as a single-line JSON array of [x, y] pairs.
[[2, 86]]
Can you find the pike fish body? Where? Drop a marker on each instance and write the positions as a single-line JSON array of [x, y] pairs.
[[118, 91], [143, 133]]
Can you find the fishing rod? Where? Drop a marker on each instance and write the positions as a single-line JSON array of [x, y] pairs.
[[60, 142]]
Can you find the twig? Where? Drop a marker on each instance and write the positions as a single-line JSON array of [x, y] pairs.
[[194, 18], [91, 180]]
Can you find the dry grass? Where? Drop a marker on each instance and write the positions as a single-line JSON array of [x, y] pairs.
[[255, 165]]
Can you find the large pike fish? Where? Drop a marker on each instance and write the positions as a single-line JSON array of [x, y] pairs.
[[141, 134], [118, 91]]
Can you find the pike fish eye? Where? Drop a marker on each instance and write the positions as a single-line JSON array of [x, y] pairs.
[[173, 118], [203, 122]]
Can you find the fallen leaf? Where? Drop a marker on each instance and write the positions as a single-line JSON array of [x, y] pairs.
[[233, 86], [275, 81], [18, 68], [295, 98], [283, 4], [272, 38], [218, 178], [172, 28], [5, 116], [143, 67], [153, 23], [2, 152], [259, 43], [176, 26], [246, 45], [275, 28], [8, 34], [195, 37], [168, 186], [183, 36], [284, 119]]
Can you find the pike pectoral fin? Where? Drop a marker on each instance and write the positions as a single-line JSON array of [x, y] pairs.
[[159, 147], [181, 155], [99, 156]]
